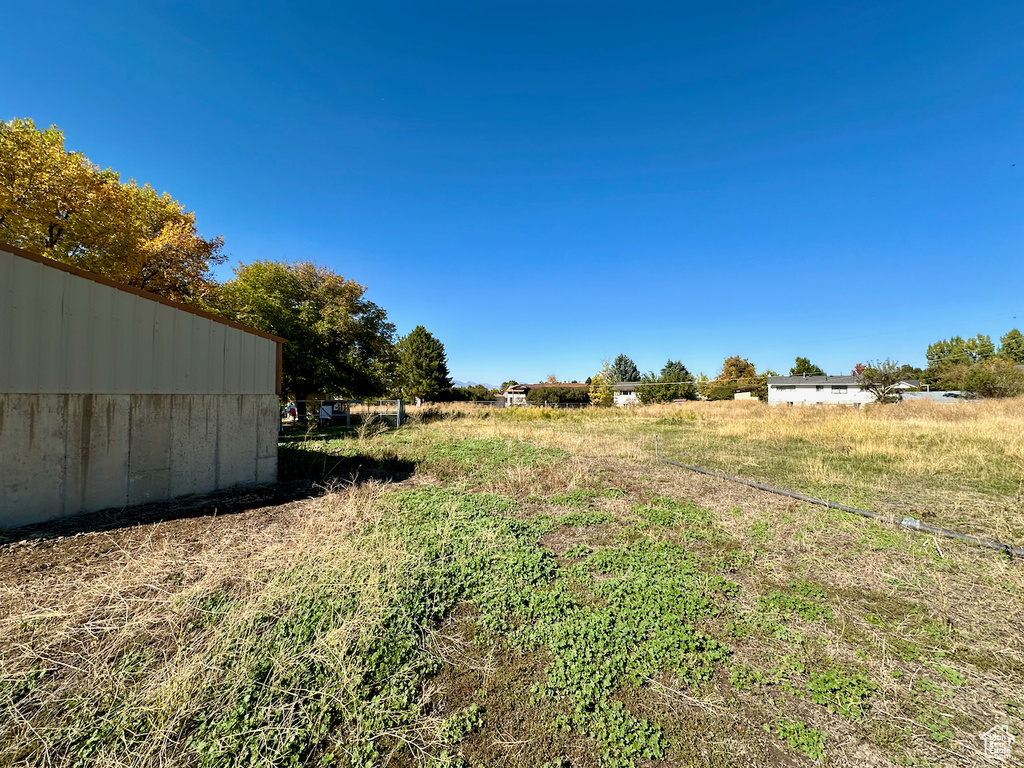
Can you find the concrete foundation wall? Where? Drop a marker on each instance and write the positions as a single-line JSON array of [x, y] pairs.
[[64, 454]]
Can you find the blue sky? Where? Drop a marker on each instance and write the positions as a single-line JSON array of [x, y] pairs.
[[543, 185]]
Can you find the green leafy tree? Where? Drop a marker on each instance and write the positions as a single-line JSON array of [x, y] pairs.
[[949, 358], [703, 384], [805, 367], [472, 393], [882, 380], [510, 383], [1011, 347], [996, 377], [554, 395], [762, 385], [673, 383], [422, 367], [338, 343], [623, 369], [58, 204]]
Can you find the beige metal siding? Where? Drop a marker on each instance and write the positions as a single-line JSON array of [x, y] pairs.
[[61, 333]]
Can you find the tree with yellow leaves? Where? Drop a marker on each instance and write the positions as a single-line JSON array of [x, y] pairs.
[[602, 390], [58, 204]]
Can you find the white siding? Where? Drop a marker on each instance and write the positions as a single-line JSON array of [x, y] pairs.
[[61, 333], [809, 395]]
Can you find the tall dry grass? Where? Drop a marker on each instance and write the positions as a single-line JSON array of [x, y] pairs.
[[960, 464]]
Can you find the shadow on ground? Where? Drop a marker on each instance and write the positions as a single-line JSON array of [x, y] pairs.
[[302, 473]]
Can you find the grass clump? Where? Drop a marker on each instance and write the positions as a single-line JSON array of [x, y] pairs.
[[842, 692], [455, 728], [803, 599], [801, 737]]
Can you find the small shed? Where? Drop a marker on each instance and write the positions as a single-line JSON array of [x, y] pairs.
[[111, 396]]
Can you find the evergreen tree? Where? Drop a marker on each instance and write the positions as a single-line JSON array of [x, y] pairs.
[[803, 367], [422, 371], [623, 369], [673, 383]]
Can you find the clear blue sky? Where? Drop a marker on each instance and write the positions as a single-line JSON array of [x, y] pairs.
[[543, 185]]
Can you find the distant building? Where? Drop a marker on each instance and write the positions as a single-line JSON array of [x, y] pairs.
[[822, 390], [110, 396], [516, 394], [625, 393]]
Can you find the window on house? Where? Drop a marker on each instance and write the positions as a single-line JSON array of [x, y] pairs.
[[838, 390], [819, 388]]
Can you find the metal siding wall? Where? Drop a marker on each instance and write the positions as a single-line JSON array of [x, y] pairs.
[[215, 365], [183, 342], [199, 357], [50, 320], [163, 350], [266, 365], [76, 341], [144, 366], [24, 330], [125, 333], [6, 301], [61, 333], [101, 358], [232, 360], [247, 365]]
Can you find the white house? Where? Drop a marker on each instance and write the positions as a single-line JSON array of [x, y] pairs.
[[516, 395], [821, 390], [625, 393]]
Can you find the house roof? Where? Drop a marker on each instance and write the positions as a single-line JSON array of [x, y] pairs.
[[625, 385], [814, 380]]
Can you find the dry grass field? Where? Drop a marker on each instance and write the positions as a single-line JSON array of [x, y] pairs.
[[529, 588]]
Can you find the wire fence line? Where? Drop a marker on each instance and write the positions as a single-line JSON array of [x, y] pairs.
[[909, 523], [345, 413]]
